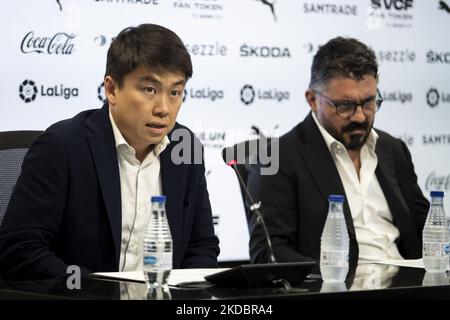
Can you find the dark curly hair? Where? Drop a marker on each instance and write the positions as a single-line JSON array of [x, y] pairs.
[[342, 57]]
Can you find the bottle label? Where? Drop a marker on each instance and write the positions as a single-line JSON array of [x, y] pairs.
[[336, 258], [436, 249], [162, 260]]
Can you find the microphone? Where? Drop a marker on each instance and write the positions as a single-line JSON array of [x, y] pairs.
[[254, 208], [269, 274]]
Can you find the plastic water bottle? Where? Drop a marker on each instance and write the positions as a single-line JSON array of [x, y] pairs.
[[334, 244], [157, 251], [435, 250]]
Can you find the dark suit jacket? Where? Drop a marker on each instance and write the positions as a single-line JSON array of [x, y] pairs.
[[295, 200], [66, 207]]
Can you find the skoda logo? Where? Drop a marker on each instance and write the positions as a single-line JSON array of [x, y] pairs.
[[247, 94], [101, 92], [432, 97], [28, 91]]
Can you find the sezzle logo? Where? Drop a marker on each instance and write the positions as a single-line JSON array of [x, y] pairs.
[[396, 56], [209, 9], [203, 93], [397, 96], [436, 182], [436, 139], [271, 5], [28, 91], [248, 94], [438, 57], [210, 50], [101, 92], [327, 8], [60, 43], [264, 52], [152, 2]]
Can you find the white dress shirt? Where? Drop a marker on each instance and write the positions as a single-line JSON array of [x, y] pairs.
[[375, 232], [138, 183]]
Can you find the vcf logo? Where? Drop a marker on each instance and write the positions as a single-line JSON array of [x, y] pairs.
[[271, 5], [392, 4]]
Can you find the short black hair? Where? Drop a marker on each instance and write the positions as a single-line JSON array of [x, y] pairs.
[[147, 44], [342, 57]]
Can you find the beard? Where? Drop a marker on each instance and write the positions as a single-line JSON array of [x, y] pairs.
[[356, 141]]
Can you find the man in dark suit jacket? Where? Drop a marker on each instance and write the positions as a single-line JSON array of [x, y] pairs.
[[336, 151], [68, 204]]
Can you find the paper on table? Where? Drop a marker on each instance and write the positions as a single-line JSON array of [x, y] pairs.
[[177, 276], [412, 263]]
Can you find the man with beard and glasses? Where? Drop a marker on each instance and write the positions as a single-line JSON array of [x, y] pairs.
[[336, 150]]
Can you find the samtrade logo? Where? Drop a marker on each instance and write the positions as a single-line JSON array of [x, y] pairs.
[[101, 92], [436, 139], [247, 94], [28, 91], [271, 5], [433, 97], [444, 6], [154, 2], [330, 8]]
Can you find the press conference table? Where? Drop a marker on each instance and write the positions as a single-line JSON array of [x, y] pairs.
[[370, 281]]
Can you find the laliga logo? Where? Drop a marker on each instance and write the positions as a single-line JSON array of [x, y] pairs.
[[247, 94], [101, 92], [28, 91]]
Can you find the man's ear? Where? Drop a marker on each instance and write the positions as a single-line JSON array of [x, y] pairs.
[[111, 87], [311, 98]]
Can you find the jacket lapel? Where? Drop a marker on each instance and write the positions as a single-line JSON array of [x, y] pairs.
[[171, 175], [102, 145], [399, 209], [321, 165]]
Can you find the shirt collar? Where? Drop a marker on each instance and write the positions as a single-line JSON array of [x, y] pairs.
[[331, 141], [120, 140]]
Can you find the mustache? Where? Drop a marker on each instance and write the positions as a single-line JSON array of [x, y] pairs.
[[355, 126]]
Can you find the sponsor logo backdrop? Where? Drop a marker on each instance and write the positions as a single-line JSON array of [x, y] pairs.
[[251, 67]]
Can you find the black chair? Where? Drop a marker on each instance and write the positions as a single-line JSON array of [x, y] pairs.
[[13, 147]]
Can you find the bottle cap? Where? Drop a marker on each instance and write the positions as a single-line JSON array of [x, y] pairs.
[[439, 194], [336, 198], [158, 199]]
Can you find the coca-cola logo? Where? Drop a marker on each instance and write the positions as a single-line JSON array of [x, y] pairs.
[[437, 182], [60, 43]]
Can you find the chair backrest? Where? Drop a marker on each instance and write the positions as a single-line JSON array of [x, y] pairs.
[[13, 147]]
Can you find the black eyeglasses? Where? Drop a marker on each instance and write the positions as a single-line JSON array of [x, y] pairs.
[[346, 108]]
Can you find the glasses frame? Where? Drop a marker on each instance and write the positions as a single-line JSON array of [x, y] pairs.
[[378, 101]]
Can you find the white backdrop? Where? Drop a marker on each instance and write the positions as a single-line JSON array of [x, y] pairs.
[[54, 54]]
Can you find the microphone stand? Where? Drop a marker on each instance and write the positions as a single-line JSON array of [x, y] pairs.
[[254, 208]]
